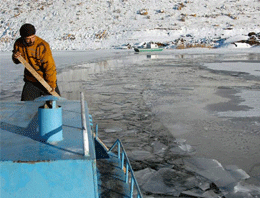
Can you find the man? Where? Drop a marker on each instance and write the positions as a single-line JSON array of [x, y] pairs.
[[38, 54]]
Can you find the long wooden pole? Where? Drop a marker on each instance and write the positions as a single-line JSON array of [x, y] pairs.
[[37, 76]]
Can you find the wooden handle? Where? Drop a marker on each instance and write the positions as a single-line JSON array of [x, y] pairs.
[[37, 76]]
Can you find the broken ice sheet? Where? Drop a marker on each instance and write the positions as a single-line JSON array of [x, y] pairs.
[[192, 194], [239, 195], [138, 155], [243, 190], [236, 172], [165, 181], [186, 148], [211, 194], [199, 164], [113, 130], [143, 175], [242, 187], [159, 148], [182, 147], [212, 170]]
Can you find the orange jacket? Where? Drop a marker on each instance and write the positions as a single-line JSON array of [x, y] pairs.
[[39, 56]]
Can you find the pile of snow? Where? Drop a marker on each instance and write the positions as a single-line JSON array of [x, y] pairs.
[[81, 25]]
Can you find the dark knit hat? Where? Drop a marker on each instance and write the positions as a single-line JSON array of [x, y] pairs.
[[27, 30]]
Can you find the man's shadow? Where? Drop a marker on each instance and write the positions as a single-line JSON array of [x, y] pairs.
[[31, 131]]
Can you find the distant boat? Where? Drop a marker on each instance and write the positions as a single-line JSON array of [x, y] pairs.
[[149, 47]]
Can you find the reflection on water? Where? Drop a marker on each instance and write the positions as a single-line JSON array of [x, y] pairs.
[[152, 56], [207, 57], [80, 72], [71, 79], [69, 76], [249, 100], [246, 67]]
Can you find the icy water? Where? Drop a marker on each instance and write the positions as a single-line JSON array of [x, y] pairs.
[[170, 110]]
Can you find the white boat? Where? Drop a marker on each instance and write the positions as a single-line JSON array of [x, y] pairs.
[[149, 47]]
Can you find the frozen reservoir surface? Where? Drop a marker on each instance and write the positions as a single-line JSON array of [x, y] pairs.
[[189, 119]]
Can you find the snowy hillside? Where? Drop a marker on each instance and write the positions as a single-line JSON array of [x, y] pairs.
[[80, 25]]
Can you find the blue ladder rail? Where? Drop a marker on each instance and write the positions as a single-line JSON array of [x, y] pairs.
[[126, 166], [90, 120], [125, 163]]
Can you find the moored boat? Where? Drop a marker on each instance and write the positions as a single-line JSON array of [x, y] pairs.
[[149, 47], [50, 148]]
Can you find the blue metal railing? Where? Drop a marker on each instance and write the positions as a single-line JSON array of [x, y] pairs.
[[93, 129], [90, 120], [121, 155], [125, 163]]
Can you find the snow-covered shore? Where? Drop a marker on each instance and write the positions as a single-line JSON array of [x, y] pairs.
[[81, 25]]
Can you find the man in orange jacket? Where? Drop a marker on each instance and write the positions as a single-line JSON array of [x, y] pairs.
[[38, 54]]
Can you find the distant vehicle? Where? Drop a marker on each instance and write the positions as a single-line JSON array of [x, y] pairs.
[[149, 47]]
